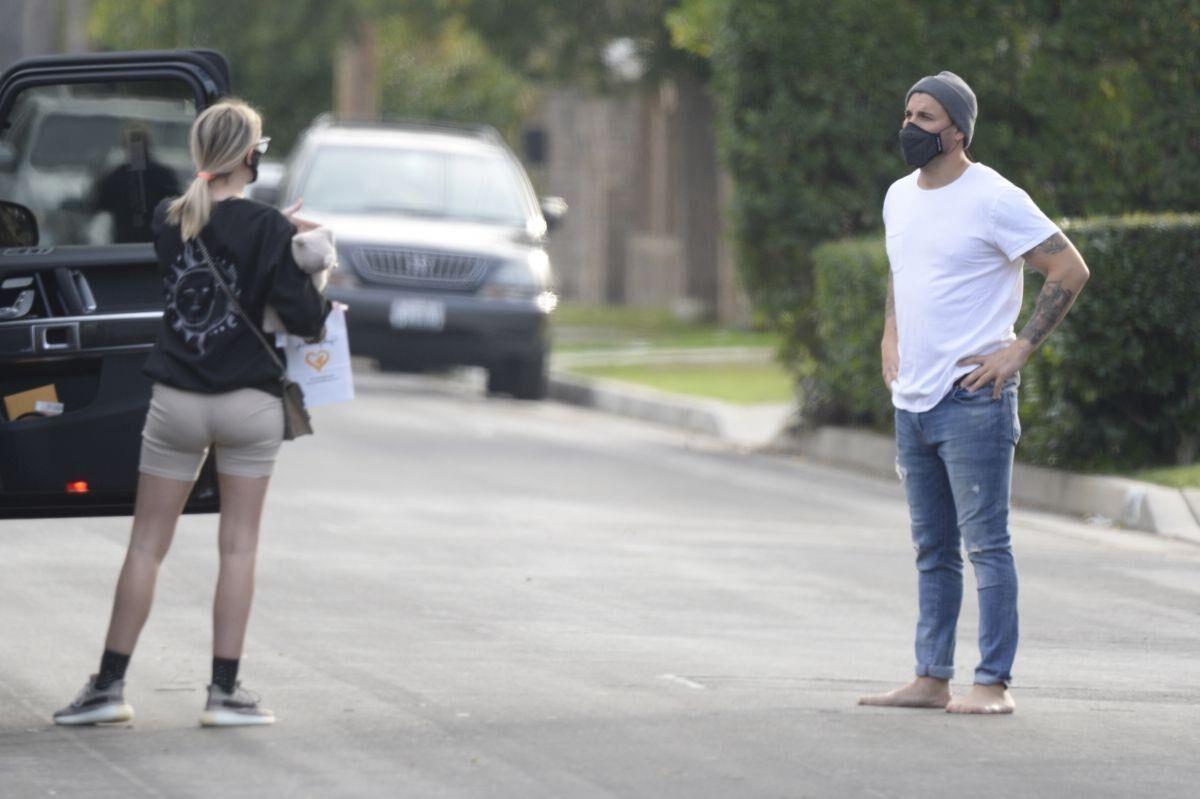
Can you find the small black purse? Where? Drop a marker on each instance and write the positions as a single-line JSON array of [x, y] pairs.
[[296, 421]]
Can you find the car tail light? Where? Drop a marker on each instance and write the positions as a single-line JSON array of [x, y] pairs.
[[77, 487]]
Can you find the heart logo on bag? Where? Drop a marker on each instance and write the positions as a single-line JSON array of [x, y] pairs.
[[317, 360]]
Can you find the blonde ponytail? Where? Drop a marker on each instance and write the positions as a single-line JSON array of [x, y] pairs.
[[221, 137], [190, 211]]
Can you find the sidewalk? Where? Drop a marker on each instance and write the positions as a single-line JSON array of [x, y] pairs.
[[1116, 501]]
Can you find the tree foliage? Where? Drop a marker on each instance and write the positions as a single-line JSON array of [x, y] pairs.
[[449, 74], [565, 42], [280, 55], [462, 60], [694, 25]]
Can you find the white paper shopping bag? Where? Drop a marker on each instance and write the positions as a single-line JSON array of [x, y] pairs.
[[322, 369]]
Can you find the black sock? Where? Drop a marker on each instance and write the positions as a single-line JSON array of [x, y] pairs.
[[112, 668], [225, 673]]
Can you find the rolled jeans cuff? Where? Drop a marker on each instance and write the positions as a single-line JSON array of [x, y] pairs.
[[987, 678], [937, 672]]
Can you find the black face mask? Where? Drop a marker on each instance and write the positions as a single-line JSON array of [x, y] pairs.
[[255, 157], [919, 145]]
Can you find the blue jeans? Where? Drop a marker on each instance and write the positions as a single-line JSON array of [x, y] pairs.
[[956, 463]]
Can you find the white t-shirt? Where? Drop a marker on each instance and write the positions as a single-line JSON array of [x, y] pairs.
[[956, 258]]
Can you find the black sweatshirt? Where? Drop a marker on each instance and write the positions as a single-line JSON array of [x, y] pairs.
[[203, 344]]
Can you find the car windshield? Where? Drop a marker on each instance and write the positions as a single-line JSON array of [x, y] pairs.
[[358, 180]]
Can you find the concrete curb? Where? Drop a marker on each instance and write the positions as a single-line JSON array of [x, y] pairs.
[[755, 426], [697, 416], [1115, 500]]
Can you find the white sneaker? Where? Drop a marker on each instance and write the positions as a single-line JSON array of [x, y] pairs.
[[236, 709], [96, 706]]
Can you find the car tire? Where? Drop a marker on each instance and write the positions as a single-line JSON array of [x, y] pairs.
[[524, 379], [497, 381]]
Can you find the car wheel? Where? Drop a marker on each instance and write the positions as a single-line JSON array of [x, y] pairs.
[[524, 379], [498, 380]]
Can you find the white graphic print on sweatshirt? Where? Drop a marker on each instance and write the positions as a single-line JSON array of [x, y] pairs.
[[197, 306]]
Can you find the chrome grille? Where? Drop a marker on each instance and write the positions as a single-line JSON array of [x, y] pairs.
[[424, 268]]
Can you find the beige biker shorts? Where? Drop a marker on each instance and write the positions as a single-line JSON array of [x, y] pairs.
[[245, 427]]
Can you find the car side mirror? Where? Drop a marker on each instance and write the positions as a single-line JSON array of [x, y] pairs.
[[8, 157], [18, 226], [554, 209]]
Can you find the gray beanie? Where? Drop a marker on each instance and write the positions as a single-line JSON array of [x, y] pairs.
[[955, 96]]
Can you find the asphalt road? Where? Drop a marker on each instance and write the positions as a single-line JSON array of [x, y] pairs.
[[469, 598]]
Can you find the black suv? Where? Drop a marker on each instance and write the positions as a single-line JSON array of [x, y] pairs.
[[88, 146], [442, 246]]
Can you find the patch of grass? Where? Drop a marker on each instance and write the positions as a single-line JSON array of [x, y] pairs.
[[740, 383], [1173, 476], [602, 327], [623, 316]]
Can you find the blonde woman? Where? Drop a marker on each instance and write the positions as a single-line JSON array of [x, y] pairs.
[[215, 385]]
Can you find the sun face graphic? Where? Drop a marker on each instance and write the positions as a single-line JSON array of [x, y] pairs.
[[197, 307]]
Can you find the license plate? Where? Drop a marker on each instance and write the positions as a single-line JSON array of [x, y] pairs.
[[417, 315]]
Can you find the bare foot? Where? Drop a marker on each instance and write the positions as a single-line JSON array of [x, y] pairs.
[[921, 692], [987, 700]]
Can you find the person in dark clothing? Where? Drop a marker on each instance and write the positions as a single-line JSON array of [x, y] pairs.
[[215, 386], [131, 191]]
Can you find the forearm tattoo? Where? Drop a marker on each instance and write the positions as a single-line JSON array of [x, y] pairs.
[[1052, 305]]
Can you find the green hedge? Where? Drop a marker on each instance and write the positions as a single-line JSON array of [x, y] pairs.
[[850, 279], [1116, 386]]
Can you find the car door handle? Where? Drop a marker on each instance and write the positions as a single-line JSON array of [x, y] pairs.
[[85, 291], [75, 292], [19, 308], [54, 338]]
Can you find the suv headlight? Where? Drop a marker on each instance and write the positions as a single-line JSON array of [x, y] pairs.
[[525, 279]]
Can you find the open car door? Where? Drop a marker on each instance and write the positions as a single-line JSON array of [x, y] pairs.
[[89, 144]]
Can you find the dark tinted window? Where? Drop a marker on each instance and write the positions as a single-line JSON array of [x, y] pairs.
[[73, 141], [93, 160]]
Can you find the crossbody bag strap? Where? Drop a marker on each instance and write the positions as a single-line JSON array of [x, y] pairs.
[[238, 307]]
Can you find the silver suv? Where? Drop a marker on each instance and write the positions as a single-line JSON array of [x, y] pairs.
[[442, 246]]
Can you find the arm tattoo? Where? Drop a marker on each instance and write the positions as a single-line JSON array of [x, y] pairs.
[[1052, 305], [889, 308], [1055, 244]]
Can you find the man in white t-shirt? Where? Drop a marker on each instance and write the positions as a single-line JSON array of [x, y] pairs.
[[957, 234]]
